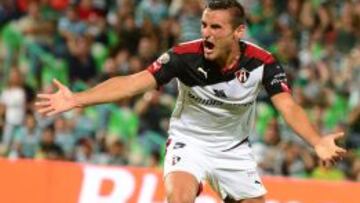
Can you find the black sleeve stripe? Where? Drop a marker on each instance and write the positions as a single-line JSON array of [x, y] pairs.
[[165, 68], [274, 79]]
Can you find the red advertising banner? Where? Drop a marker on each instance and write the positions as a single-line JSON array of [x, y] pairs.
[[62, 182]]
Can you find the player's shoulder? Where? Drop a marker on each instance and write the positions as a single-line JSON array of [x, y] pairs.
[[189, 47], [254, 51]]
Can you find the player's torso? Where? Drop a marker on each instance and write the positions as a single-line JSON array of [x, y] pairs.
[[228, 94], [214, 103]]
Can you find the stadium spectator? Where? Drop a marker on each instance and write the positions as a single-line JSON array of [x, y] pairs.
[[13, 100], [86, 10], [64, 137], [70, 25], [295, 161], [129, 34], [189, 19], [81, 62], [155, 10], [48, 149], [38, 32], [27, 138], [262, 19], [35, 27], [268, 150], [147, 50], [8, 11], [115, 153]]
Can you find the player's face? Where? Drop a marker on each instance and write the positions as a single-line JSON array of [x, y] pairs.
[[220, 38]]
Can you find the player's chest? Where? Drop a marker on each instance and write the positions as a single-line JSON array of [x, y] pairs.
[[236, 85]]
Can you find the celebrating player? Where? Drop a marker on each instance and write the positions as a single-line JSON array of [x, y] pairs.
[[219, 78]]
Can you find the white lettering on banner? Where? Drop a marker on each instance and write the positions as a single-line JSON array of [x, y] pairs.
[[123, 185], [148, 188]]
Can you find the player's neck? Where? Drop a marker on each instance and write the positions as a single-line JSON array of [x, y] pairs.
[[230, 59]]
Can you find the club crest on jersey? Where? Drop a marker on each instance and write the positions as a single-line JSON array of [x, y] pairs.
[[242, 75], [175, 160], [164, 58]]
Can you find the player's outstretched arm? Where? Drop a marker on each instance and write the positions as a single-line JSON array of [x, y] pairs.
[[295, 116], [110, 90]]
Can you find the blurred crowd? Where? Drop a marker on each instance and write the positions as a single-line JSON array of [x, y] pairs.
[[84, 42]]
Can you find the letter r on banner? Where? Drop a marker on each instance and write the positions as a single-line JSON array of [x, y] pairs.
[[122, 182]]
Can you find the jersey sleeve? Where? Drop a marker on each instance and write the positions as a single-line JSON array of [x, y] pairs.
[[274, 79], [165, 68]]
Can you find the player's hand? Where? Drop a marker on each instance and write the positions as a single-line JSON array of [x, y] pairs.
[[53, 103], [328, 152]]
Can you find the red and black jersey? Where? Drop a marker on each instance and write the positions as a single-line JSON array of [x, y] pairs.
[[183, 62], [225, 99]]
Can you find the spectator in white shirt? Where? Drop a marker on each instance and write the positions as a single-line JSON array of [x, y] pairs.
[[13, 99]]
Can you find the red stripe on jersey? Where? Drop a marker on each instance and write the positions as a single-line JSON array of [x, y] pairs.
[[191, 47], [285, 87], [253, 51], [154, 67]]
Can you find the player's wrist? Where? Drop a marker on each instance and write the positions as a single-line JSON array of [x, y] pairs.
[[315, 141], [76, 101]]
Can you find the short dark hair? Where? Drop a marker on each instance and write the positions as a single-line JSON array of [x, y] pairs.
[[236, 9]]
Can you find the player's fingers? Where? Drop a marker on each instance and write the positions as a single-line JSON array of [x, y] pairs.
[[44, 96], [51, 113], [45, 110], [335, 159], [42, 103], [338, 135], [58, 84], [340, 154], [340, 150]]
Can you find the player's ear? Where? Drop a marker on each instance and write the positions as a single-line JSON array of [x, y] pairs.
[[240, 31]]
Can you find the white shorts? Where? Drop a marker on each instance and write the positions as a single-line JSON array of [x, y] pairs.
[[232, 174]]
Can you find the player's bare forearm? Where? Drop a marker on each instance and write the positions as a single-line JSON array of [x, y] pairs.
[[324, 146], [111, 90], [296, 118], [116, 88]]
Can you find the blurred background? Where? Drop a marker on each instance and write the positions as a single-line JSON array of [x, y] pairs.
[[84, 42]]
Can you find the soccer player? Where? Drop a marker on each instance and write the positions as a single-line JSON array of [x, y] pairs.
[[219, 78]]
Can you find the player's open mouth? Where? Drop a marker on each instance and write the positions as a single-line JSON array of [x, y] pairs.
[[208, 45]]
